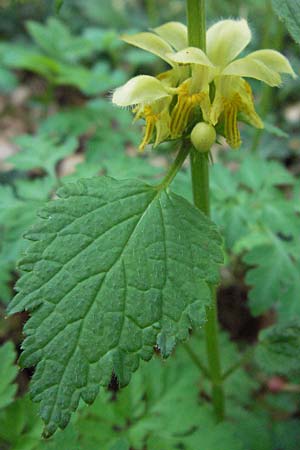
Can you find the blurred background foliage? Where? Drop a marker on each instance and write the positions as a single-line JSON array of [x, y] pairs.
[[59, 62]]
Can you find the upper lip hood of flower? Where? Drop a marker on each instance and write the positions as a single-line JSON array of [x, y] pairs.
[[140, 90], [226, 40], [152, 100], [163, 40]]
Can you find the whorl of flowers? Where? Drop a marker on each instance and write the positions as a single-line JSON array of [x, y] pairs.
[[207, 87]]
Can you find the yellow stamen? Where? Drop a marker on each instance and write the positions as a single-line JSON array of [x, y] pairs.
[[138, 112], [151, 120], [231, 130], [181, 113], [180, 116]]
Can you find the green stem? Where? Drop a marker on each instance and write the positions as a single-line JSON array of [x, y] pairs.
[[200, 184], [175, 167], [200, 180], [213, 356], [152, 12], [194, 357], [196, 18]]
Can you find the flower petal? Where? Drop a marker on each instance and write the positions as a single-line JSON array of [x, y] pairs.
[[142, 89], [151, 43], [218, 103], [162, 127], [175, 76], [226, 39], [247, 107], [273, 60], [191, 55], [175, 33], [252, 68], [201, 77]]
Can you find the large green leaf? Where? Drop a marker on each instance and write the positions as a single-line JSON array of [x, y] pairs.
[[289, 12], [114, 268]]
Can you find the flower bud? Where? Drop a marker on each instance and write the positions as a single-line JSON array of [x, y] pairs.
[[203, 136]]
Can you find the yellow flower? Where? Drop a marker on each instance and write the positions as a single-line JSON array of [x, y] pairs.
[[225, 41], [192, 92], [167, 102], [157, 120], [151, 96], [151, 100], [164, 41]]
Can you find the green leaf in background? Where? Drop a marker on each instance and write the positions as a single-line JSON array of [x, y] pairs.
[[145, 412], [289, 12], [20, 426], [278, 351], [275, 277], [257, 174], [61, 57], [148, 413], [90, 81], [257, 209], [18, 207], [239, 386], [213, 437], [8, 80], [8, 372], [56, 40], [138, 275], [296, 196], [29, 58], [249, 200], [276, 131], [103, 39], [98, 119], [73, 121], [287, 434], [58, 4], [41, 152]]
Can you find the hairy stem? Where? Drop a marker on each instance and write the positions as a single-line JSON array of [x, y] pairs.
[[200, 184], [213, 356], [196, 18], [175, 167]]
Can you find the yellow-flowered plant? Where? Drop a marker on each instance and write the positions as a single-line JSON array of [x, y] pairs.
[[210, 82]]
